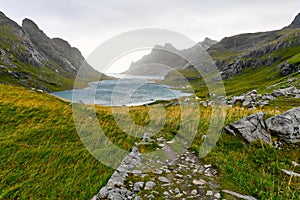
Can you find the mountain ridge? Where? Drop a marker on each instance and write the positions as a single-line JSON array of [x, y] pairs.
[[29, 58], [162, 59]]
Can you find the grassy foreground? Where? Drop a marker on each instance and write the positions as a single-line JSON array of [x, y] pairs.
[[43, 157], [41, 153]]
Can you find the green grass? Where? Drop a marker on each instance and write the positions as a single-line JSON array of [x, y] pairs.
[[255, 169], [251, 169], [42, 155], [295, 59]]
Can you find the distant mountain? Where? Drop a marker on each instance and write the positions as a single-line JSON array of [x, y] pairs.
[[207, 43], [162, 59], [29, 58]]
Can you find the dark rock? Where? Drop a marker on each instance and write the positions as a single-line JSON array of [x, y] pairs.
[[267, 97], [232, 69], [295, 23], [251, 128], [277, 93], [287, 68], [286, 126]]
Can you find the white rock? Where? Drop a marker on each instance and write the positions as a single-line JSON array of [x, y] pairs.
[[199, 182], [194, 192], [218, 195], [163, 179], [177, 190], [150, 185], [179, 195]]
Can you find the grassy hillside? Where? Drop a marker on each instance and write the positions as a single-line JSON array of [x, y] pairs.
[[41, 153], [43, 157]]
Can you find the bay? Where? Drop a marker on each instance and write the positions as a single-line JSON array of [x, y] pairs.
[[128, 90]]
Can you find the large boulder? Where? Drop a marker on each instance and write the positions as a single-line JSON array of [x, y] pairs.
[[251, 128], [286, 126], [285, 91]]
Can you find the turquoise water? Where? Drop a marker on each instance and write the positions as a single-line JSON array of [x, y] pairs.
[[133, 90]]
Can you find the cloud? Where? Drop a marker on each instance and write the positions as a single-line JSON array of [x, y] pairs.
[[85, 24]]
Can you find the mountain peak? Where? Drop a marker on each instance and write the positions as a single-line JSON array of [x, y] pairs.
[[208, 40], [29, 24], [169, 46], [295, 23], [207, 43]]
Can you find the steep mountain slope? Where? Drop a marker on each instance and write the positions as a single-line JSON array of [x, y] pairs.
[[251, 61], [162, 59], [28, 57], [254, 50], [295, 23]]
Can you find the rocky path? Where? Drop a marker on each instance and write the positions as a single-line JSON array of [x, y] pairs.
[[183, 177]]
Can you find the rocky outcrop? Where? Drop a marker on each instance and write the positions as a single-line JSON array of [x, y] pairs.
[[56, 49], [286, 126], [285, 92], [253, 99], [243, 42], [255, 50], [250, 128], [257, 58], [287, 68]]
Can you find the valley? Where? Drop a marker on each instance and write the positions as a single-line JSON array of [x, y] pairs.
[[55, 148]]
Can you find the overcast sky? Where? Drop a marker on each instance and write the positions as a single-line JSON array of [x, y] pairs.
[[88, 23]]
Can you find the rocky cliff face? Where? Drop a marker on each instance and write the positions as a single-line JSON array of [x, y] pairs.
[[28, 57], [264, 56]]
